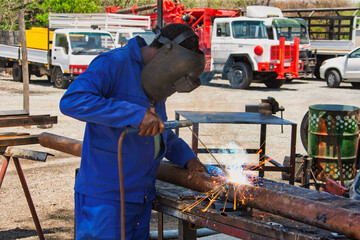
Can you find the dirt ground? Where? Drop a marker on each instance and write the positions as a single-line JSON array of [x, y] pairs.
[[51, 183]]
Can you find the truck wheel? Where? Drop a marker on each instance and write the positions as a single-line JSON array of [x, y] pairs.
[[17, 72], [58, 79], [274, 83], [333, 78], [240, 75], [206, 77]]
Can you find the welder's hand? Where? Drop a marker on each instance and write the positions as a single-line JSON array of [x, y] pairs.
[[194, 165], [151, 124]]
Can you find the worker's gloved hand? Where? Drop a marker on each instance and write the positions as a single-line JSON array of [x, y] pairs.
[[151, 124], [194, 165]]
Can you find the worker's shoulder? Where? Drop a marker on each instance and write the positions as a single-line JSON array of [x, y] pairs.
[[117, 54]]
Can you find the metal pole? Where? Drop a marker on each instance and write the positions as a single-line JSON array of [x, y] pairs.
[[160, 13], [24, 61]]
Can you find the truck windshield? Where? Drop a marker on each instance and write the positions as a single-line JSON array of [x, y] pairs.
[[249, 29], [292, 32], [90, 43], [292, 28], [148, 36]]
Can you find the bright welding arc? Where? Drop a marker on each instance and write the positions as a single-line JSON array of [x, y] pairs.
[[212, 155]]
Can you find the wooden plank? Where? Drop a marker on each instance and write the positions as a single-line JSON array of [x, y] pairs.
[[32, 120], [14, 113], [19, 140]]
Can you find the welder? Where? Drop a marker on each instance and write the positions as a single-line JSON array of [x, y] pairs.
[[128, 87]]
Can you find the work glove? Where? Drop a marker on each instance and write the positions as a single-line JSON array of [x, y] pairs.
[[151, 124], [194, 165]]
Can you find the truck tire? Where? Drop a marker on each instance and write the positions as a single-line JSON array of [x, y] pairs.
[[274, 83], [17, 72], [304, 130], [240, 75], [206, 77], [333, 78], [58, 79]]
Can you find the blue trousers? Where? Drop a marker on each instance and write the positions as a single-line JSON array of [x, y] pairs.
[[100, 219]]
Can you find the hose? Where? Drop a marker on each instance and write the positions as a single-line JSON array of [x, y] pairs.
[[121, 183]]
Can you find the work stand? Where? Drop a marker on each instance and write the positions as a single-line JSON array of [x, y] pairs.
[[200, 117], [15, 154], [21, 118]]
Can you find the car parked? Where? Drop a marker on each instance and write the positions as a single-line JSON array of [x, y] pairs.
[[342, 69]]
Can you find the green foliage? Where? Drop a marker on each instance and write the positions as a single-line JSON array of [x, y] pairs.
[[63, 6], [8, 17]]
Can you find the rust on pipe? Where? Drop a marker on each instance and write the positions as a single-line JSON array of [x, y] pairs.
[[60, 143], [311, 212], [300, 209]]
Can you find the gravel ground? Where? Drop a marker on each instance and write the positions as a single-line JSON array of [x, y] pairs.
[[51, 183]]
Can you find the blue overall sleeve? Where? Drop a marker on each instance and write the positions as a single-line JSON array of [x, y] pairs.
[[86, 98], [177, 150]]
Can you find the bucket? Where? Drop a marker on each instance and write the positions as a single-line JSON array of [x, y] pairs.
[[332, 126]]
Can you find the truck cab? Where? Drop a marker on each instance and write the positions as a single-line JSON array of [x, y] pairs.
[[122, 36], [73, 50], [246, 49]]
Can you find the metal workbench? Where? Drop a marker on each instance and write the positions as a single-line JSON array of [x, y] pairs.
[[202, 117]]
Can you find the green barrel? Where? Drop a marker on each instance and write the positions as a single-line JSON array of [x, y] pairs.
[[331, 126]]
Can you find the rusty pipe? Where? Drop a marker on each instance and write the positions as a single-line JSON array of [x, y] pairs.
[[311, 212], [317, 214], [60, 143]]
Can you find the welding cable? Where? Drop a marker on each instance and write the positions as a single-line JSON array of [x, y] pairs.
[[121, 183]]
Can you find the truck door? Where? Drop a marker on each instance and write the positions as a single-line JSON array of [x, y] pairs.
[[219, 52], [60, 51], [352, 63]]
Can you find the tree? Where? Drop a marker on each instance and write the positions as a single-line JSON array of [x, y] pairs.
[[63, 6]]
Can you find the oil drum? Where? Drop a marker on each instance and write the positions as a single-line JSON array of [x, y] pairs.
[[330, 127]]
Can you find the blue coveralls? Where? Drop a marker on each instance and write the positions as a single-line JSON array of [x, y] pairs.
[[108, 97]]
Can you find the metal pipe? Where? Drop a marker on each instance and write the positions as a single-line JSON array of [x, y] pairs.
[[60, 143], [317, 214]]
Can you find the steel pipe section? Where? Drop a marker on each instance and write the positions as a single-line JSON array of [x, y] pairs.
[[60, 143], [311, 212], [323, 215]]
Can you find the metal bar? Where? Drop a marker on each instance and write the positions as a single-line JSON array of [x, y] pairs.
[[185, 232], [263, 149], [160, 226], [292, 155], [159, 11], [28, 121], [195, 141], [177, 117], [28, 198], [26, 154], [19, 140], [323, 215], [3, 169], [14, 113]]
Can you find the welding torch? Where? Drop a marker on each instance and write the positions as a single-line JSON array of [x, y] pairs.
[[168, 125]]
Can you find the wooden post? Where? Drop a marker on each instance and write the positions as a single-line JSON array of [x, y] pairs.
[[24, 61]]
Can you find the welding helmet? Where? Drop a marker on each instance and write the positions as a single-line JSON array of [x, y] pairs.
[[173, 68]]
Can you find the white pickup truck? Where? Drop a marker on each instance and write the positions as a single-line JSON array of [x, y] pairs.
[[68, 54], [342, 69]]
